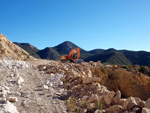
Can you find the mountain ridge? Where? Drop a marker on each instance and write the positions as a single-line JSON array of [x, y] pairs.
[[108, 56]]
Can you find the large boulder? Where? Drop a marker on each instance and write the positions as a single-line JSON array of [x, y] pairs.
[[129, 84]]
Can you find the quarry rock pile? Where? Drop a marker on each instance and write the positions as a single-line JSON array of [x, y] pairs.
[[93, 87]]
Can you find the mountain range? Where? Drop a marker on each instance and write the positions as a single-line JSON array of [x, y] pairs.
[[109, 56]]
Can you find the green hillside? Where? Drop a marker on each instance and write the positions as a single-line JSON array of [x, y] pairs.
[[109, 56]]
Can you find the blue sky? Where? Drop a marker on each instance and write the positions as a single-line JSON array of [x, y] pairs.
[[90, 24]]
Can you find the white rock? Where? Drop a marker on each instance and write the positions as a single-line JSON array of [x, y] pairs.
[[19, 80], [60, 83], [51, 84], [97, 111], [44, 67], [45, 87], [47, 82], [10, 108], [2, 112], [12, 75], [145, 110]]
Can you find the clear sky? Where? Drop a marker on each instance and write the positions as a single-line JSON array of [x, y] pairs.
[[90, 24]]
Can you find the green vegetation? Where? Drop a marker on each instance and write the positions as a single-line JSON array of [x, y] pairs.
[[125, 67], [100, 107], [143, 69], [71, 105], [110, 56]]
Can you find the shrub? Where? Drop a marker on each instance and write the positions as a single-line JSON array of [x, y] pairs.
[[125, 67], [142, 69]]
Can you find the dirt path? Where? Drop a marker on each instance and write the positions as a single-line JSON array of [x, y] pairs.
[[38, 92]]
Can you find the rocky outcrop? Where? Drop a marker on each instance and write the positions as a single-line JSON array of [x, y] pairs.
[[129, 83], [9, 50], [113, 77]]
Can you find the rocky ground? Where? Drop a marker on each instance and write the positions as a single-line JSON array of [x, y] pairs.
[[44, 86], [95, 88], [24, 89]]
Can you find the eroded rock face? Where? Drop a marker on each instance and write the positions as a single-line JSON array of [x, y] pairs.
[[11, 51], [129, 84]]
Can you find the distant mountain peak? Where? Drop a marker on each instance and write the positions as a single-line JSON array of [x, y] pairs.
[[111, 49], [65, 47], [67, 43]]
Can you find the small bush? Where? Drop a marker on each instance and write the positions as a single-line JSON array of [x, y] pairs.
[[71, 105], [125, 67], [100, 107], [142, 69]]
